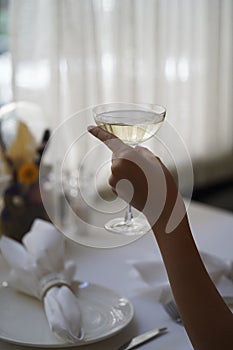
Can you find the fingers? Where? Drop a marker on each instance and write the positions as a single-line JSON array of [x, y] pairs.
[[111, 141]]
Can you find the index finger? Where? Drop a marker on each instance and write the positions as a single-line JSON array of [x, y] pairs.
[[111, 141]]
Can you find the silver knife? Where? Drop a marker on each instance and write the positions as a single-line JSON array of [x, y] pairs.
[[142, 338]]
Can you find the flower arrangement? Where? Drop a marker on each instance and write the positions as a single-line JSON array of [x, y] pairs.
[[22, 202]]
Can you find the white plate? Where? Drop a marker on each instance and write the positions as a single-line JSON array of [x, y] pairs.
[[23, 321]]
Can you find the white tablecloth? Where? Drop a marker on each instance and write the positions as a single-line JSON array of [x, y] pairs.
[[213, 232]]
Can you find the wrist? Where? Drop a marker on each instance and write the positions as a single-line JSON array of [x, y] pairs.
[[172, 215]]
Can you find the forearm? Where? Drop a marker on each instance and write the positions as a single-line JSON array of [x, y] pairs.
[[208, 321]]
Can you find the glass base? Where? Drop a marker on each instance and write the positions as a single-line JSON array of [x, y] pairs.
[[135, 227]]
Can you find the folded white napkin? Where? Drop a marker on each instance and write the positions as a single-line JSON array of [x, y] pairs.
[[39, 269], [154, 275]]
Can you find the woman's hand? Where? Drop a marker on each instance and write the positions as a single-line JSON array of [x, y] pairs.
[[140, 178]]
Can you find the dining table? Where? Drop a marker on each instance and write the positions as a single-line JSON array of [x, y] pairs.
[[112, 268]]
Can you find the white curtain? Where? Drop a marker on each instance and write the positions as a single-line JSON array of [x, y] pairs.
[[71, 54]]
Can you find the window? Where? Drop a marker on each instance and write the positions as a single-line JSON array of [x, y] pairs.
[[5, 56], [69, 55]]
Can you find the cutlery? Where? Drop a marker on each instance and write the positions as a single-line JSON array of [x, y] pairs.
[[172, 309], [142, 338], [229, 301]]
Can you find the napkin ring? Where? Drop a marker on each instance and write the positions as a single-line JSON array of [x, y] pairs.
[[51, 280]]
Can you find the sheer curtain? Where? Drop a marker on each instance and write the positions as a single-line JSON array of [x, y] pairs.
[[71, 54]]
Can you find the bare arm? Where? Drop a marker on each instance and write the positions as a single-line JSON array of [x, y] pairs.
[[156, 195]]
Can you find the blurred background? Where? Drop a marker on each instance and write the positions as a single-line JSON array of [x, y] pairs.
[[67, 55]]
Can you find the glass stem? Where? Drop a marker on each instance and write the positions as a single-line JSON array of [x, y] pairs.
[[128, 215]]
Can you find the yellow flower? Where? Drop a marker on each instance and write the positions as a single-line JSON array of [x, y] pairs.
[[28, 173], [23, 147]]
